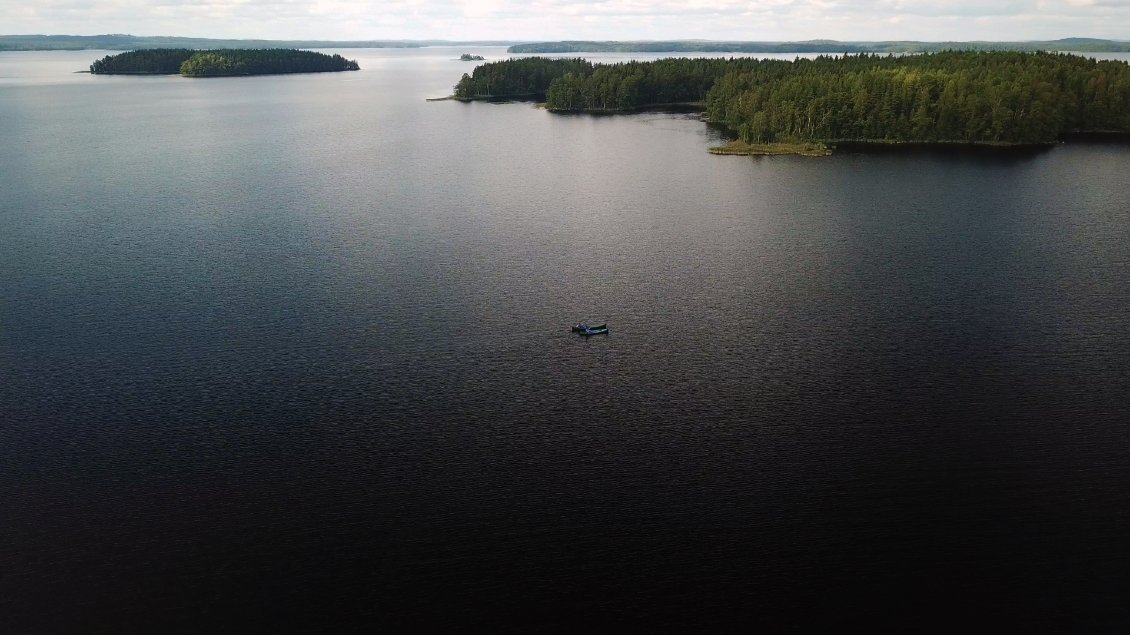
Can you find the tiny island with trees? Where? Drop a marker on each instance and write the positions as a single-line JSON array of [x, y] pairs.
[[806, 105], [220, 62]]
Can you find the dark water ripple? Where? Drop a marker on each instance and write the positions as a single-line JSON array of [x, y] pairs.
[[301, 361]]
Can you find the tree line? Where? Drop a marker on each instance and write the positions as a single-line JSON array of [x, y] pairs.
[[263, 62], [525, 78], [223, 62], [953, 96], [1004, 97], [631, 85], [144, 61]]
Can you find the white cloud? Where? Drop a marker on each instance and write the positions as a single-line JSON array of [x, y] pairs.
[[480, 8], [577, 19]]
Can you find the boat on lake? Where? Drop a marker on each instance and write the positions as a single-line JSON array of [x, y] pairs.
[[593, 329]]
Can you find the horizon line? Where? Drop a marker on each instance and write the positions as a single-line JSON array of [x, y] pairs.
[[537, 40]]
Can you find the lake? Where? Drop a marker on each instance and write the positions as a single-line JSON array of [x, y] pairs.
[[289, 352]]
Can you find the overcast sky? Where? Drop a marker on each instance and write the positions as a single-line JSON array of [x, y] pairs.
[[576, 19]]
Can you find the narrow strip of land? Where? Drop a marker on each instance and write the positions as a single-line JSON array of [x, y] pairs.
[[769, 149]]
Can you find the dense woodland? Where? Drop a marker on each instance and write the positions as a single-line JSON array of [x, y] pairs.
[[518, 78], [980, 97], [632, 85], [263, 62], [145, 61], [225, 62], [973, 97]]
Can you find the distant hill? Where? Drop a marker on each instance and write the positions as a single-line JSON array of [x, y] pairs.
[[124, 42], [121, 42], [1088, 45]]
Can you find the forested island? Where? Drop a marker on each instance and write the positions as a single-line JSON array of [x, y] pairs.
[[220, 63], [467, 57], [952, 97], [1077, 44]]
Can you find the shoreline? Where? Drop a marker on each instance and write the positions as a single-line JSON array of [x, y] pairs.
[[827, 148], [539, 98], [672, 106], [741, 148], [217, 74], [810, 148]]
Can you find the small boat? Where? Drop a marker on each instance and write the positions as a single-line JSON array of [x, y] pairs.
[[594, 329], [580, 328]]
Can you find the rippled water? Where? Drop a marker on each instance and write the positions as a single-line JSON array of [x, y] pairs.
[[295, 350]]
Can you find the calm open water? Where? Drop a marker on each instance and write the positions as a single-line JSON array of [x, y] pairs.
[[293, 352]]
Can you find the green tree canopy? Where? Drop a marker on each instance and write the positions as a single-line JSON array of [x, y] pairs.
[[220, 62], [965, 96]]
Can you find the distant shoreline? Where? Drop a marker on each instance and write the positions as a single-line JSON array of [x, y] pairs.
[[1065, 45], [118, 42], [125, 42]]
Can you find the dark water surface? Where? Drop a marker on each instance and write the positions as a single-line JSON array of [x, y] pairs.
[[293, 352]]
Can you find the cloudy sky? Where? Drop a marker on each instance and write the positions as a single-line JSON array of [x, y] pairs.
[[576, 19]]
